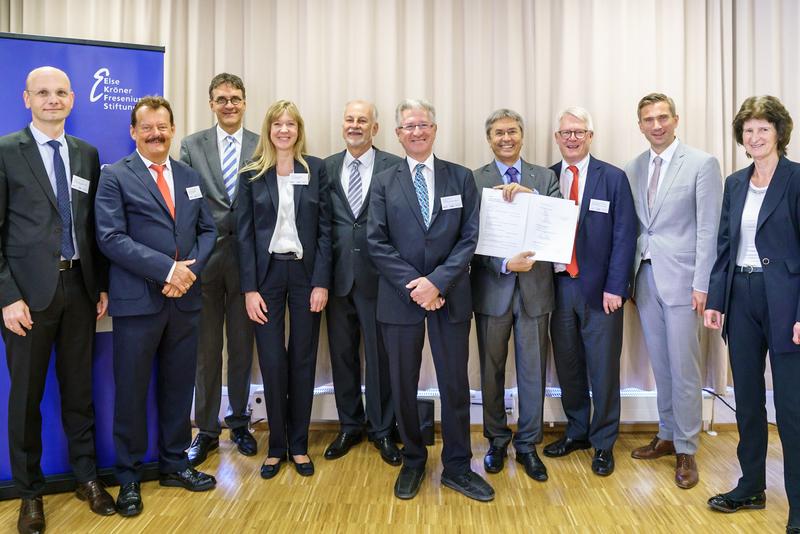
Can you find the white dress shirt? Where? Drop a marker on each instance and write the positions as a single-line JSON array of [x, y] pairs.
[[565, 184], [427, 172], [285, 237], [222, 143], [167, 172]]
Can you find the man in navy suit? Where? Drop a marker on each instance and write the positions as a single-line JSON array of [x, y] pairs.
[[422, 231], [586, 326], [157, 232]]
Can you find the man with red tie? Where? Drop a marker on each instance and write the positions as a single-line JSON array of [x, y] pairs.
[[155, 228]]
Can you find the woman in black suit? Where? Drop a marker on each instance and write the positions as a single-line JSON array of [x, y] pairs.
[[284, 232], [755, 282]]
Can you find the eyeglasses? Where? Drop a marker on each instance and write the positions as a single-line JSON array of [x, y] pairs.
[[423, 127], [566, 134], [45, 94], [234, 101]]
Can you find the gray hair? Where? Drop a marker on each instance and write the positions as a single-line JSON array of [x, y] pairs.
[[372, 108], [579, 113], [414, 103], [504, 113]]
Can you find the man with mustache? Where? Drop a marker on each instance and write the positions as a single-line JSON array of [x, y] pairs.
[[53, 284], [154, 226], [353, 303]]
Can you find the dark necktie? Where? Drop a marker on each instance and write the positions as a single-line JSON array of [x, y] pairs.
[[64, 207], [421, 187], [513, 175]]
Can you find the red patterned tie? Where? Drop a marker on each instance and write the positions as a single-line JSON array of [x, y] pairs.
[[572, 268], [161, 182]]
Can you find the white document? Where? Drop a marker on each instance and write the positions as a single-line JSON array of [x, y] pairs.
[[543, 224]]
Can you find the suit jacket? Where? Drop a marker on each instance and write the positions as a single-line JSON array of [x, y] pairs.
[[141, 239], [605, 241], [403, 249], [30, 224], [681, 229], [493, 291], [256, 213], [778, 245], [351, 261]]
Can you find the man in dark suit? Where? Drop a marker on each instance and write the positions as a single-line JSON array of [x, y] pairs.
[[422, 231], [53, 288], [586, 326], [352, 305], [157, 232], [217, 154], [513, 292]]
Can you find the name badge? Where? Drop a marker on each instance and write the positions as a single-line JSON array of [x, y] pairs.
[[194, 192], [298, 178], [80, 184], [600, 206], [452, 202]]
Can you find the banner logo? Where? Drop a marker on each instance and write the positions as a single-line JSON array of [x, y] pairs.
[[111, 92]]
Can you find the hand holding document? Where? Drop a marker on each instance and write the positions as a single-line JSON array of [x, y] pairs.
[[543, 224]]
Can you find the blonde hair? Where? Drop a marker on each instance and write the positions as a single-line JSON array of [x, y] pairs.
[[265, 155]]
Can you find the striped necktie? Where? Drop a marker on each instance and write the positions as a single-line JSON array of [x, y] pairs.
[[230, 167], [354, 193], [64, 206], [422, 193]]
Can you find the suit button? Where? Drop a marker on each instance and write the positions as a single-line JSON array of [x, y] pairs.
[[765, 261], [355, 225], [650, 232], [356, 250]]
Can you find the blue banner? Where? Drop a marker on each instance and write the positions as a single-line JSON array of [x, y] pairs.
[[108, 79]]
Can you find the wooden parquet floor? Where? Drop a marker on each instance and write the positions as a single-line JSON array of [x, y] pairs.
[[354, 494]]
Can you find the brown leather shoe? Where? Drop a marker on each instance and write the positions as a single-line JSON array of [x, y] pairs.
[[655, 449], [100, 501], [31, 516], [686, 475]]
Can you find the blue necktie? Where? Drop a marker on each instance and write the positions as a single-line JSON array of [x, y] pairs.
[[64, 208], [230, 167], [422, 193], [513, 175]]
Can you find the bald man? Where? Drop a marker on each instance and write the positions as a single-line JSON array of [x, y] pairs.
[[53, 286]]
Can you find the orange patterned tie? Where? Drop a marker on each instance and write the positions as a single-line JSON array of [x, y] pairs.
[[161, 182], [572, 268]]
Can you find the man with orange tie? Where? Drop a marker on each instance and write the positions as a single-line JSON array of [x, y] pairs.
[[157, 232], [586, 326]]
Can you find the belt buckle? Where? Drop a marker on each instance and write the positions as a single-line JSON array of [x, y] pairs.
[[748, 269], [65, 265]]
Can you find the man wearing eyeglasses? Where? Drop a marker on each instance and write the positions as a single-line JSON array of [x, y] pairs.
[[217, 154], [678, 195], [515, 292], [586, 326], [53, 286], [422, 231]]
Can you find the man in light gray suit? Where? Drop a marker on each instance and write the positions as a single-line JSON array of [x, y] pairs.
[[217, 154], [677, 191], [513, 292]]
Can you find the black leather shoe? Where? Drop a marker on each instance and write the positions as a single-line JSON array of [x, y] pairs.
[[342, 443], [564, 446], [200, 447], [190, 479], [470, 484], [269, 471], [408, 482], [493, 461], [244, 440], [31, 516], [603, 462], [305, 469], [100, 501], [723, 503], [129, 500], [791, 529], [534, 467], [389, 451]]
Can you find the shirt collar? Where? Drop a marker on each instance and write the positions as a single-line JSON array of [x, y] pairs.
[[42, 138], [147, 162], [503, 168], [582, 165], [222, 134], [366, 158], [412, 163], [667, 154]]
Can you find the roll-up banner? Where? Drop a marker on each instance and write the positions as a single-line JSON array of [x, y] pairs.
[[108, 79]]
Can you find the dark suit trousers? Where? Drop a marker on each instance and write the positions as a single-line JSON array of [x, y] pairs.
[[350, 319], [288, 373], [168, 338], [530, 356], [223, 304], [587, 345], [450, 348], [748, 334], [69, 322]]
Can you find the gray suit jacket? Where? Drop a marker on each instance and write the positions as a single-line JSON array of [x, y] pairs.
[[351, 261], [493, 291], [200, 152], [681, 230]]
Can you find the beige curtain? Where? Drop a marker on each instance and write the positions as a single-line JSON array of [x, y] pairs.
[[468, 57]]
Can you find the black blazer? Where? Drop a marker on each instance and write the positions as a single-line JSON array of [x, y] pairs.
[[30, 225], [256, 210], [351, 261], [778, 244]]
